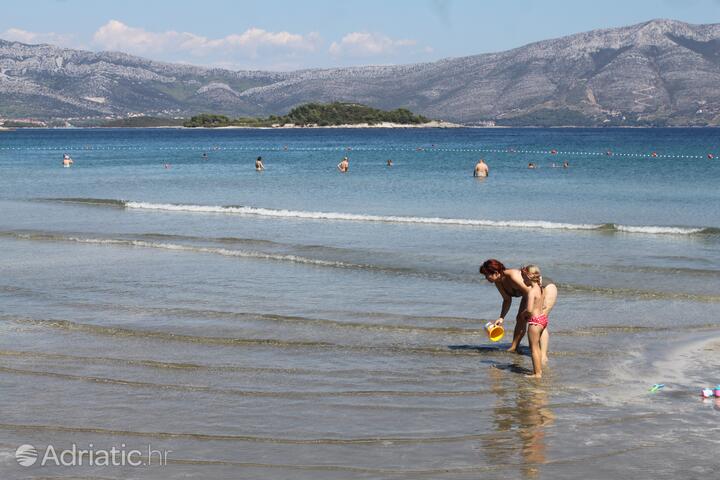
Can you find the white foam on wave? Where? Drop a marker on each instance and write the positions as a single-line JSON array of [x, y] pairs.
[[658, 230], [217, 251], [267, 212], [300, 214]]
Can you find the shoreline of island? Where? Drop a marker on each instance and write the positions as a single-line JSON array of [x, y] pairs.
[[335, 115]]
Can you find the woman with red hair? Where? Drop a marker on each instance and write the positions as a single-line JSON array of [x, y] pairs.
[[510, 283]]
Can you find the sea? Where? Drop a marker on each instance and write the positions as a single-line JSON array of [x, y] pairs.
[[173, 313]]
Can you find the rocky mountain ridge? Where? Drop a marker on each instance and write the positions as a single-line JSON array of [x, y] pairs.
[[661, 72]]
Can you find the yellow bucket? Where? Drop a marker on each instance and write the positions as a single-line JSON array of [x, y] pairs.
[[494, 332]]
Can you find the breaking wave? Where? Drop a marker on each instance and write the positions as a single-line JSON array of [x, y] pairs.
[[354, 217]]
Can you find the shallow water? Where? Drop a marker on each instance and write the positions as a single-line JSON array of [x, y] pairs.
[[301, 323]]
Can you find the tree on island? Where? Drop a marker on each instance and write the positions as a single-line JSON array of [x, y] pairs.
[[208, 120], [320, 114]]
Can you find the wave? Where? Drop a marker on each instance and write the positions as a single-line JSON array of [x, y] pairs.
[[384, 440], [239, 253], [608, 330], [665, 230], [245, 393], [630, 268], [404, 322], [181, 247], [522, 224], [568, 288], [166, 336], [337, 216], [368, 349], [310, 215], [288, 319], [224, 240], [619, 292], [105, 202], [636, 293], [113, 331], [185, 366]]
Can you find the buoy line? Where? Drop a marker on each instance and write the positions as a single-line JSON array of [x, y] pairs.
[[216, 148]]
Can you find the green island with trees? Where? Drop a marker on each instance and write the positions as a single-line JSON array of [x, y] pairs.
[[314, 114]]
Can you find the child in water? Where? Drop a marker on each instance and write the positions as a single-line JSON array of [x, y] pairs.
[[537, 320]]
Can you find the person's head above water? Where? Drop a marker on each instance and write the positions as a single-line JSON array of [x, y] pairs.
[[492, 269]]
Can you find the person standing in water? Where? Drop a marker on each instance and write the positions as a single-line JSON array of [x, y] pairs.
[[481, 169], [344, 165], [510, 284], [536, 318], [67, 161], [259, 164]]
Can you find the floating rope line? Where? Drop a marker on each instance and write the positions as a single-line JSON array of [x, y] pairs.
[[87, 148]]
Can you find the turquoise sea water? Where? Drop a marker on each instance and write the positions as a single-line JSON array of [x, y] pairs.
[[302, 323]]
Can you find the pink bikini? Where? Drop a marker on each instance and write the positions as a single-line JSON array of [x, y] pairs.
[[540, 320]]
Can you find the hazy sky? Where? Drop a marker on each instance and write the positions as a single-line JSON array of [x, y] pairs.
[[294, 34]]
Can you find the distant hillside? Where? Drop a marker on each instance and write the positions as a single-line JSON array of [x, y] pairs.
[[45, 82], [142, 122], [661, 72], [316, 114]]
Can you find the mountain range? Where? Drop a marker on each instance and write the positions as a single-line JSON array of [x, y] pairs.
[[661, 72]]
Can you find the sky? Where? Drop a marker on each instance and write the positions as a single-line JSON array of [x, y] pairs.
[[284, 35]]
